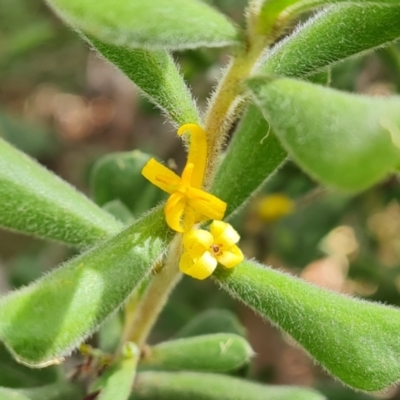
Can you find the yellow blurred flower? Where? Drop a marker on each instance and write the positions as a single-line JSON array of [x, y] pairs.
[[274, 206], [188, 204], [205, 249]]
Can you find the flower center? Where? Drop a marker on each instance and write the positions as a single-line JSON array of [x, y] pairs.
[[216, 249], [182, 189]]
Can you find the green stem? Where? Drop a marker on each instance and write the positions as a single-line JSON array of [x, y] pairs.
[[130, 316], [156, 295], [225, 105]]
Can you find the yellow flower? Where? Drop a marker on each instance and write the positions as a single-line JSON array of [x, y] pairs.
[[188, 204], [274, 206], [205, 249]]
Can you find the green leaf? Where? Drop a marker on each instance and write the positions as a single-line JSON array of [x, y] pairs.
[[252, 157], [12, 394], [266, 14], [212, 321], [219, 352], [120, 211], [194, 385], [171, 24], [118, 176], [275, 14], [27, 137], [336, 391], [323, 78], [356, 341], [329, 38], [37, 202], [156, 74], [116, 383], [56, 391], [48, 319], [343, 140], [295, 7], [15, 375]]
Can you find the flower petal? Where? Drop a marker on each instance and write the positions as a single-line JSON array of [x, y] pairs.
[[207, 205], [197, 242], [186, 262], [197, 152], [174, 209], [189, 218], [199, 268], [224, 234], [161, 176], [230, 258], [187, 174]]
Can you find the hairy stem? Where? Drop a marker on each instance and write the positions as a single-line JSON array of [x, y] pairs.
[[156, 295], [225, 104], [130, 316]]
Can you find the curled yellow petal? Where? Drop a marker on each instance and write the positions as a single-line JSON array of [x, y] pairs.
[[174, 209], [189, 218], [197, 242], [197, 151], [199, 268], [161, 176], [188, 204], [231, 257], [224, 233], [207, 205]]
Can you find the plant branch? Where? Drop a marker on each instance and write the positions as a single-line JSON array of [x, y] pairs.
[[129, 315], [156, 295], [225, 104]]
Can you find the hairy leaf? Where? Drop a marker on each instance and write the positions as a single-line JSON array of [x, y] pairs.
[[55, 391], [15, 375], [333, 35], [212, 321], [355, 340], [116, 383], [171, 24], [49, 318], [156, 74], [37, 202], [117, 176], [120, 211], [275, 13], [219, 352], [343, 140], [195, 385], [12, 394]]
